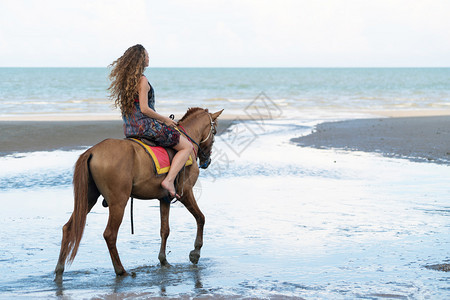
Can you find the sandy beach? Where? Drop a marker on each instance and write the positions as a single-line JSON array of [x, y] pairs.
[[420, 138]]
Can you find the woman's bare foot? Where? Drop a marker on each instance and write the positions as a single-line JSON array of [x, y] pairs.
[[170, 187]]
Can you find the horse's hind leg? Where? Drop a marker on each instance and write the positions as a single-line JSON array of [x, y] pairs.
[[189, 201], [164, 208], [116, 211], [93, 195], [64, 252]]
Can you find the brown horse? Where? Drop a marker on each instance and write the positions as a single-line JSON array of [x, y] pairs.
[[120, 169]]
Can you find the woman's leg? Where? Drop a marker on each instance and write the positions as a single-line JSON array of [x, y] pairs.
[[184, 149]]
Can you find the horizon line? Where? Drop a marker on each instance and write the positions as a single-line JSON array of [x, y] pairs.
[[284, 67]]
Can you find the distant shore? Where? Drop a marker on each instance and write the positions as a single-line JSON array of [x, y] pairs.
[[425, 138]]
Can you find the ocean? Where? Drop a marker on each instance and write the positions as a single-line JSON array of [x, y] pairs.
[[281, 220], [34, 91]]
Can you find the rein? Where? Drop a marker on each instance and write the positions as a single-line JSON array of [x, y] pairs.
[[190, 139], [183, 131], [201, 152]]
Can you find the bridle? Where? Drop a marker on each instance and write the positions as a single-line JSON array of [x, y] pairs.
[[200, 151], [210, 130]]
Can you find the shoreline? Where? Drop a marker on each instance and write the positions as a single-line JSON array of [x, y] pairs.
[[224, 116], [47, 134], [410, 113], [418, 138], [415, 135]]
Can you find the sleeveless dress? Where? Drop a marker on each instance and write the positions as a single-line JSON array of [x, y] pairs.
[[137, 124]]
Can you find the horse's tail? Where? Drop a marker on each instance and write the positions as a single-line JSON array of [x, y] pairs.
[[80, 190]]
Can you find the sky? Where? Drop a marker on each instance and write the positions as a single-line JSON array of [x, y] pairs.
[[231, 33]]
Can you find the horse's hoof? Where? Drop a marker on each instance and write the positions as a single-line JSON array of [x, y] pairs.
[[194, 256], [164, 263], [58, 278], [122, 273], [59, 273]]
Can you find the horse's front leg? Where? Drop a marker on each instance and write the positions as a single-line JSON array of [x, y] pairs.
[[164, 208], [191, 204]]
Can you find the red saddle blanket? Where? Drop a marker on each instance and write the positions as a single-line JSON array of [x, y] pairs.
[[160, 156]]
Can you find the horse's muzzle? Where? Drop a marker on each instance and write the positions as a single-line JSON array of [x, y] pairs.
[[206, 164]]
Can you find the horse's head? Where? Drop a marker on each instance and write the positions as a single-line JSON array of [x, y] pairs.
[[201, 126], [207, 139]]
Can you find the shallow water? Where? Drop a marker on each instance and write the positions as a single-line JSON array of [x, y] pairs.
[[281, 220]]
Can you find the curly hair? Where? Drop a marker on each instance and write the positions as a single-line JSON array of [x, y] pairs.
[[125, 75]]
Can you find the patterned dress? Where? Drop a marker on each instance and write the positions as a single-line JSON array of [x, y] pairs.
[[137, 125]]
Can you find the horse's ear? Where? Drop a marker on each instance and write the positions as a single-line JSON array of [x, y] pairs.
[[216, 114]]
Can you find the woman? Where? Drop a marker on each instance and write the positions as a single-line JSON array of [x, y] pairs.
[[134, 95]]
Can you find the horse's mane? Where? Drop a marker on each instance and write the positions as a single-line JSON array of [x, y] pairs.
[[191, 111]]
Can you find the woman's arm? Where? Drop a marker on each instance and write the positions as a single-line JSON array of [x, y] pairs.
[[143, 102]]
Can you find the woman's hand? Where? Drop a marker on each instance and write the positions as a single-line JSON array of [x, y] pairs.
[[169, 122]]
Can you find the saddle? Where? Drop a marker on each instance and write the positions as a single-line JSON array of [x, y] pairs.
[[161, 157]]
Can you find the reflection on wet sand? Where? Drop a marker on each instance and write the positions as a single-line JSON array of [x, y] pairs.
[[156, 278]]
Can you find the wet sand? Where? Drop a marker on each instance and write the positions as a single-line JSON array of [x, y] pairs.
[[418, 138], [43, 135], [415, 138], [315, 224]]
